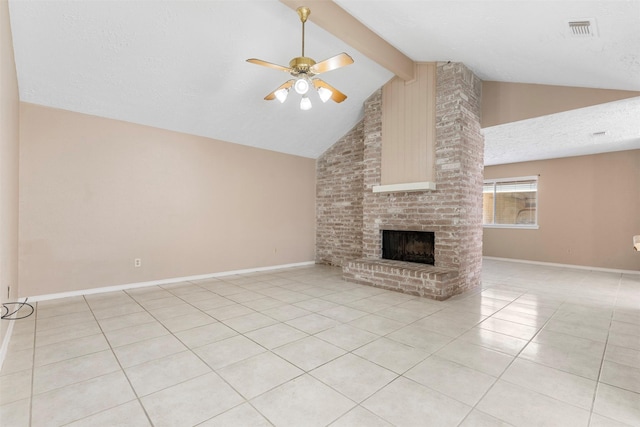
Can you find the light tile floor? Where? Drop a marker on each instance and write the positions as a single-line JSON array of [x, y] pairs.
[[535, 345]]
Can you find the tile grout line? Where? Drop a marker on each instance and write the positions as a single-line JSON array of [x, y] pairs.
[[565, 303], [245, 400], [33, 362], [186, 346], [304, 372], [402, 375], [119, 364], [604, 351], [510, 363]]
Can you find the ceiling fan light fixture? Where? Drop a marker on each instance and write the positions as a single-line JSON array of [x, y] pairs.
[[305, 103], [281, 95], [325, 94], [302, 85], [304, 69]]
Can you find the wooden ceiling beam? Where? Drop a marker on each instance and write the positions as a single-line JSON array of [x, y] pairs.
[[334, 19]]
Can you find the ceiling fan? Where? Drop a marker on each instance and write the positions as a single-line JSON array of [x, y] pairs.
[[303, 69]]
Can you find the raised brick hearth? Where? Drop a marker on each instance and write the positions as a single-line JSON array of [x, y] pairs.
[[408, 277], [351, 216]]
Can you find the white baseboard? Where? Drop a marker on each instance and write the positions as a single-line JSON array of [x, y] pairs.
[[553, 264], [162, 282], [7, 338]]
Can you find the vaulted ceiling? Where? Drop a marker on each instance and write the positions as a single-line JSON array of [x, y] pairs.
[[180, 65]]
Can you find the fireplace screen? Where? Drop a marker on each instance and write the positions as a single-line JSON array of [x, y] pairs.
[[410, 246]]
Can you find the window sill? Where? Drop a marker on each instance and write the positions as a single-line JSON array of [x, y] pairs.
[[516, 226]]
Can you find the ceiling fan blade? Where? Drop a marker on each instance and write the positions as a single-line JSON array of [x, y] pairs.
[[332, 63], [285, 85], [336, 95], [269, 65]]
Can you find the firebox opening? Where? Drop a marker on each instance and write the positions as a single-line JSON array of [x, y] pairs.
[[410, 246]]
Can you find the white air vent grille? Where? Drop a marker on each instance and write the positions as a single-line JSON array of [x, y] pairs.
[[580, 28]]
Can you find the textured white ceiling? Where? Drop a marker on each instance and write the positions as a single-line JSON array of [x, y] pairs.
[[524, 41], [571, 133], [180, 65], [528, 42]]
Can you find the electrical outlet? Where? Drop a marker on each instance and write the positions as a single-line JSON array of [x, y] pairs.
[[137, 262]]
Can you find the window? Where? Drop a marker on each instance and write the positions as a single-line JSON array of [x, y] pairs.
[[510, 202]]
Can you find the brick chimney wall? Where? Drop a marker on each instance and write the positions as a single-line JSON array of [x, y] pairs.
[[339, 194], [453, 211]]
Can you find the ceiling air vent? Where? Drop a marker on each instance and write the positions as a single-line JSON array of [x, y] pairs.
[[580, 28]]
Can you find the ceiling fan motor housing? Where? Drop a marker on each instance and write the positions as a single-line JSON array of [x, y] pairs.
[[301, 64]]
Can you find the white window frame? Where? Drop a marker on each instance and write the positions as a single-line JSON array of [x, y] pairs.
[[502, 180]]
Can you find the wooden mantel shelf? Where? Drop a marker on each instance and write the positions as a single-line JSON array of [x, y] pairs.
[[406, 187]]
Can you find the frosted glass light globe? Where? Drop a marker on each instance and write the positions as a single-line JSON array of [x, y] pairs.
[[325, 94], [301, 86], [305, 103], [281, 94]]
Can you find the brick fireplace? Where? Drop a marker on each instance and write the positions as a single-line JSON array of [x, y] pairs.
[[351, 216], [410, 246]]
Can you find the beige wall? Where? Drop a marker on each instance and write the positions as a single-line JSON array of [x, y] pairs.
[[589, 209], [9, 143], [504, 102], [96, 193]]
